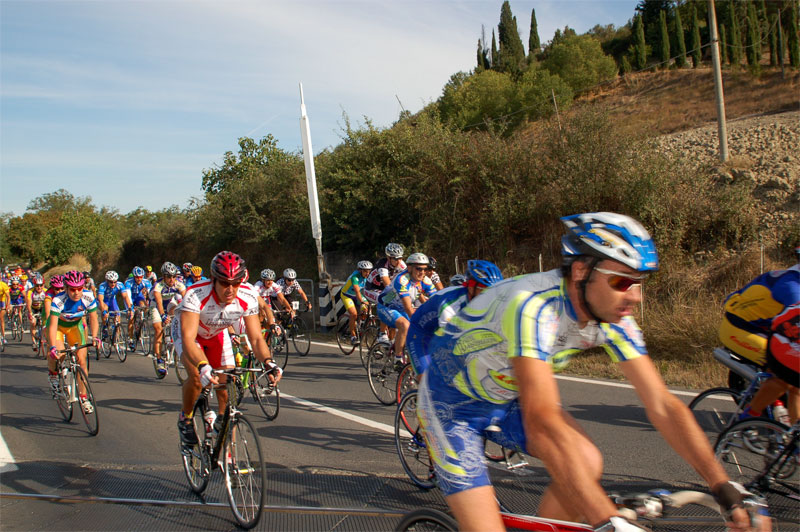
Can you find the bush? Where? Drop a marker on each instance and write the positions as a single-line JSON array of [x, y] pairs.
[[579, 60]]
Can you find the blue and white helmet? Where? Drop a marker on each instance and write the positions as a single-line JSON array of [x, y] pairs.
[[138, 271], [607, 235]]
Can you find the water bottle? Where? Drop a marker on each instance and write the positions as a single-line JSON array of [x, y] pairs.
[[210, 417], [780, 413]]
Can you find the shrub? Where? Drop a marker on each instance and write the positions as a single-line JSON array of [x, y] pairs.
[[579, 60]]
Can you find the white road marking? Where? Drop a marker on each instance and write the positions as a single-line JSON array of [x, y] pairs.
[[346, 415], [7, 463]]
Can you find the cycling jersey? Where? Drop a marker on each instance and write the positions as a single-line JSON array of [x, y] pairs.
[[3, 294], [749, 312], [167, 292], [428, 318], [135, 289], [110, 293], [404, 287], [383, 269], [354, 280], [267, 293], [71, 312], [287, 288], [189, 281], [470, 383], [16, 294], [36, 300]]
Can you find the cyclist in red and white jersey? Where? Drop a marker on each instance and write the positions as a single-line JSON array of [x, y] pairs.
[[207, 310], [271, 293]]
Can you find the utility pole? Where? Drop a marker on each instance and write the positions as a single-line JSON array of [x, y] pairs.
[[722, 127]]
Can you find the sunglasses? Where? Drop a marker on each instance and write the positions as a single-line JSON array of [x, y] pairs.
[[226, 284], [73, 289], [622, 282]]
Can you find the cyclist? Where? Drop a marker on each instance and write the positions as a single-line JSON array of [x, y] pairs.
[[493, 364], [458, 279], [107, 296], [352, 290], [138, 288], [186, 271], [762, 325], [16, 294], [206, 312], [267, 291], [68, 310], [89, 284], [160, 297], [195, 277], [150, 275], [288, 284], [34, 300], [398, 301], [435, 279], [4, 302], [443, 305], [386, 269]]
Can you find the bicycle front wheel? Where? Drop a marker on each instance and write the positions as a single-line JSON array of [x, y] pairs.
[[406, 381], [180, 370], [382, 375], [300, 338], [715, 410], [64, 396], [343, 335], [280, 349], [267, 396], [245, 473], [196, 462], [425, 520], [411, 447], [757, 452], [16, 328], [118, 340], [107, 343], [89, 405]]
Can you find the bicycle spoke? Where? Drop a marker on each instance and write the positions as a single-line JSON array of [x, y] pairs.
[[245, 475]]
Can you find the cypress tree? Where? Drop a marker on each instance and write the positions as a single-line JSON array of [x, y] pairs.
[[793, 39], [664, 40], [681, 59], [723, 45], [697, 53], [625, 65], [495, 54], [736, 38], [639, 47], [773, 41], [534, 44], [512, 53], [753, 35]]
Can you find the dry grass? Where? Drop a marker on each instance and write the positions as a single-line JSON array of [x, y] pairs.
[[76, 262]]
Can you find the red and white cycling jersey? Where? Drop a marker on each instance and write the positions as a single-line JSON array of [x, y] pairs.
[[215, 316]]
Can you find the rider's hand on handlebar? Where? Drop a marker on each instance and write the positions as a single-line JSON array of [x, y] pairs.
[[98, 342], [742, 510], [54, 352], [275, 372], [207, 375]]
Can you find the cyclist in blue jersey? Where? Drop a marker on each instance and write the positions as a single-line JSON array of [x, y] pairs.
[[352, 294], [107, 294], [442, 306], [493, 364], [398, 301], [138, 289], [195, 277]]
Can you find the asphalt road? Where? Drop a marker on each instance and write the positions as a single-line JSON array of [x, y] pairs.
[[331, 448]]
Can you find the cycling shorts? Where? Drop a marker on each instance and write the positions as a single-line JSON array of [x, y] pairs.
[[112, 304], [783, 358], [20, 301], [217, 349], [454, 428], [350, 302], [389, 316], [73, 334], [155, 317], [2, 304], [744, 339]]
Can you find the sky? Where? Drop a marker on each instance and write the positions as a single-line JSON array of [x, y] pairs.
[[127, 102]]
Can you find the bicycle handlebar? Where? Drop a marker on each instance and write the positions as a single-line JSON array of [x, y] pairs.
[[74, 348]]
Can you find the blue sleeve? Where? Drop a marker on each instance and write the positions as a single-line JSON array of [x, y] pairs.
[[422, 326], [787, 289]]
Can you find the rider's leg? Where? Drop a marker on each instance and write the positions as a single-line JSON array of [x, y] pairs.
[[401, 324], [476, 509]]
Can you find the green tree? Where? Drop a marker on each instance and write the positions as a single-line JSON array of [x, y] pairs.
[[679, 38], [753, 36], [793, 37], [650, 11], [697, 52], [251, 155], [735, 38], [495, 54], [534, 44], [664, 38], [723, 45], [625, 65], [482, 100], [535, 91], [639, 51], [773, 41], [579, 60], [512, 53]]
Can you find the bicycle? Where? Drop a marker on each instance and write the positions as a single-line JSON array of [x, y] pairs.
[[233, 445], [278, 345], [16, 322], [141, 334], [72, 377], [650, 509], [762, 455], [383, 372], [265, 394], [297, 330], [117, 336], [367, 330], [39, 346], [167, 353]]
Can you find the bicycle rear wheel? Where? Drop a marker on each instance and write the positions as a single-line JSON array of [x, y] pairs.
[[245, 473], [343, 335], [267, 397], [410, 445], [300, 338], [64, 397], [180, 370], [16, 328], [382, 375], [279, 348], [427, 520], [196, 462], [91, 419], [751, 446], [406, 381], [108, 346], [715, 410]]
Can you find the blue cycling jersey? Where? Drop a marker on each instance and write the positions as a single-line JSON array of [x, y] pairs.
[[110, 293], [136, 289], [430, 316]]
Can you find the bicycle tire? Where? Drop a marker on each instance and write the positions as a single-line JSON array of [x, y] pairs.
[[197, 463], [267, 397], [42, 351], [300, 338], [91, 419], [749, 447], [64, 397], [279, 348], [427, 520], [119, 341], [180, 369], [107, 343], [16, 328], [410, 445], [245, 475], [370, 334], [382, 375], [343, 334], [406, 381], [715, 410]]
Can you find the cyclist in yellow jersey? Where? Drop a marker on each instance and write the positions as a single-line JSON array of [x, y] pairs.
[[4, 302]]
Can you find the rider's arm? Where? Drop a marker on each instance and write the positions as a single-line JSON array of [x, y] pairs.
[[407, 306], [264, 309], [553, 440], [101, 302], [52, 330], [190, 322], [305, 297], [28, 302], [253, 329], [159, 302], [359, 296], [285, 303], [93, 324]]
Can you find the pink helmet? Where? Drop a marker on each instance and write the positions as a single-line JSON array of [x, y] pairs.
[[57, 281], [74, 279]]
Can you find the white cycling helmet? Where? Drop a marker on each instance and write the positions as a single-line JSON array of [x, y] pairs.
[[394, 251], [112, 276], [290, 274], [458, 279], [364, 265], [267, 274], [417, 258]]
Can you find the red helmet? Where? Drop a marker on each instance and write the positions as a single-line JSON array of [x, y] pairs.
[[74, 279], [228, 266]]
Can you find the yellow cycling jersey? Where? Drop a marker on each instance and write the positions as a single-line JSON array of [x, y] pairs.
[[4, 292]]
